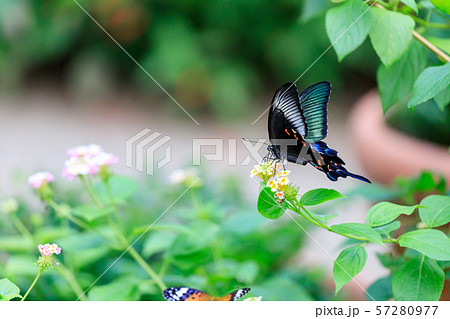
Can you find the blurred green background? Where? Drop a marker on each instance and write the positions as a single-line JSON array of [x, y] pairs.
[[222, 60], [214, 56]]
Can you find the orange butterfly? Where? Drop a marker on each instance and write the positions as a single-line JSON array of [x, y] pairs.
[[189, 294]]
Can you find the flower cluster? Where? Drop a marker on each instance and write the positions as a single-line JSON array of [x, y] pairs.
[[87, 160], [278, 184], [46, 260], [40, 179], [265, 171]]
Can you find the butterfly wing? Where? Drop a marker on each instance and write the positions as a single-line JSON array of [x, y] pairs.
[[235, 295], [185, 294], [285, 112], [313, 103]]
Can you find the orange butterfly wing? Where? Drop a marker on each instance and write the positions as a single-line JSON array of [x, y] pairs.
[[234, 295]]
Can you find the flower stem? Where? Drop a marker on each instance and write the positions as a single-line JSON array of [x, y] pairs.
[[32, 285], [21, 227], [113, 202], [147, 268], [88, 189], [71, 280]]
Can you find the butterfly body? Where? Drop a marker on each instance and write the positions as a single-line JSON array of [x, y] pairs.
[[190, 294], [298, 124]]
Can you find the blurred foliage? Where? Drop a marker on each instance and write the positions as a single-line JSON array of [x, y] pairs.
[[208, 240], [209, 54]]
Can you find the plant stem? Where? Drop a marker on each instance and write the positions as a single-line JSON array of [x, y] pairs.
[[88, 189], [318, 223], [424, 41], [71, 279], [113, 202], [32, 285], [73, 219], [21, 227], [147, 268], [431, 24]]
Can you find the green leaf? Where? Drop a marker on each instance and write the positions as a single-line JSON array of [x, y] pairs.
[[319, 196], [312, 8], [121, 289], [397, 81], [390, 33], [8, 290], [201, 235], [435, 211], [122, 188], [361, 230], [380, 290], [345, 34], [385, 212], [442, 5], [441, 43], [429, 83], [442, 99], [91, 212], [268, 206], [412, 4], [157, 242], [387, 229], [322, 218], [348, 264], [430, 242], [420, 279]]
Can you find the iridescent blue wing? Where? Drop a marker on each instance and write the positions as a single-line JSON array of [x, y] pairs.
[[314, 102]]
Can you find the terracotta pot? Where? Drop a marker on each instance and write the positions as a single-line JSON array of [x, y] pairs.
[[386, 153]]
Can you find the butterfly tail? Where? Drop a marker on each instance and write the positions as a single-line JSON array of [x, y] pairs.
[[336, 170]]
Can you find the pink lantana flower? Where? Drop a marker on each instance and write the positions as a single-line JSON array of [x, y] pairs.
[[86, 160], [46, 260], [40, 178]]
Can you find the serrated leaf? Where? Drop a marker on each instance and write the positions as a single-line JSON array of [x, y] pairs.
[[397, 81], [361, 230], [347, 26], [8, 290], [412, 4], [390, 33], [435, 211], [319, 196], [420, 279], [385, 212], [268, 206], [348, 264], [429, 83], [430, 242]]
